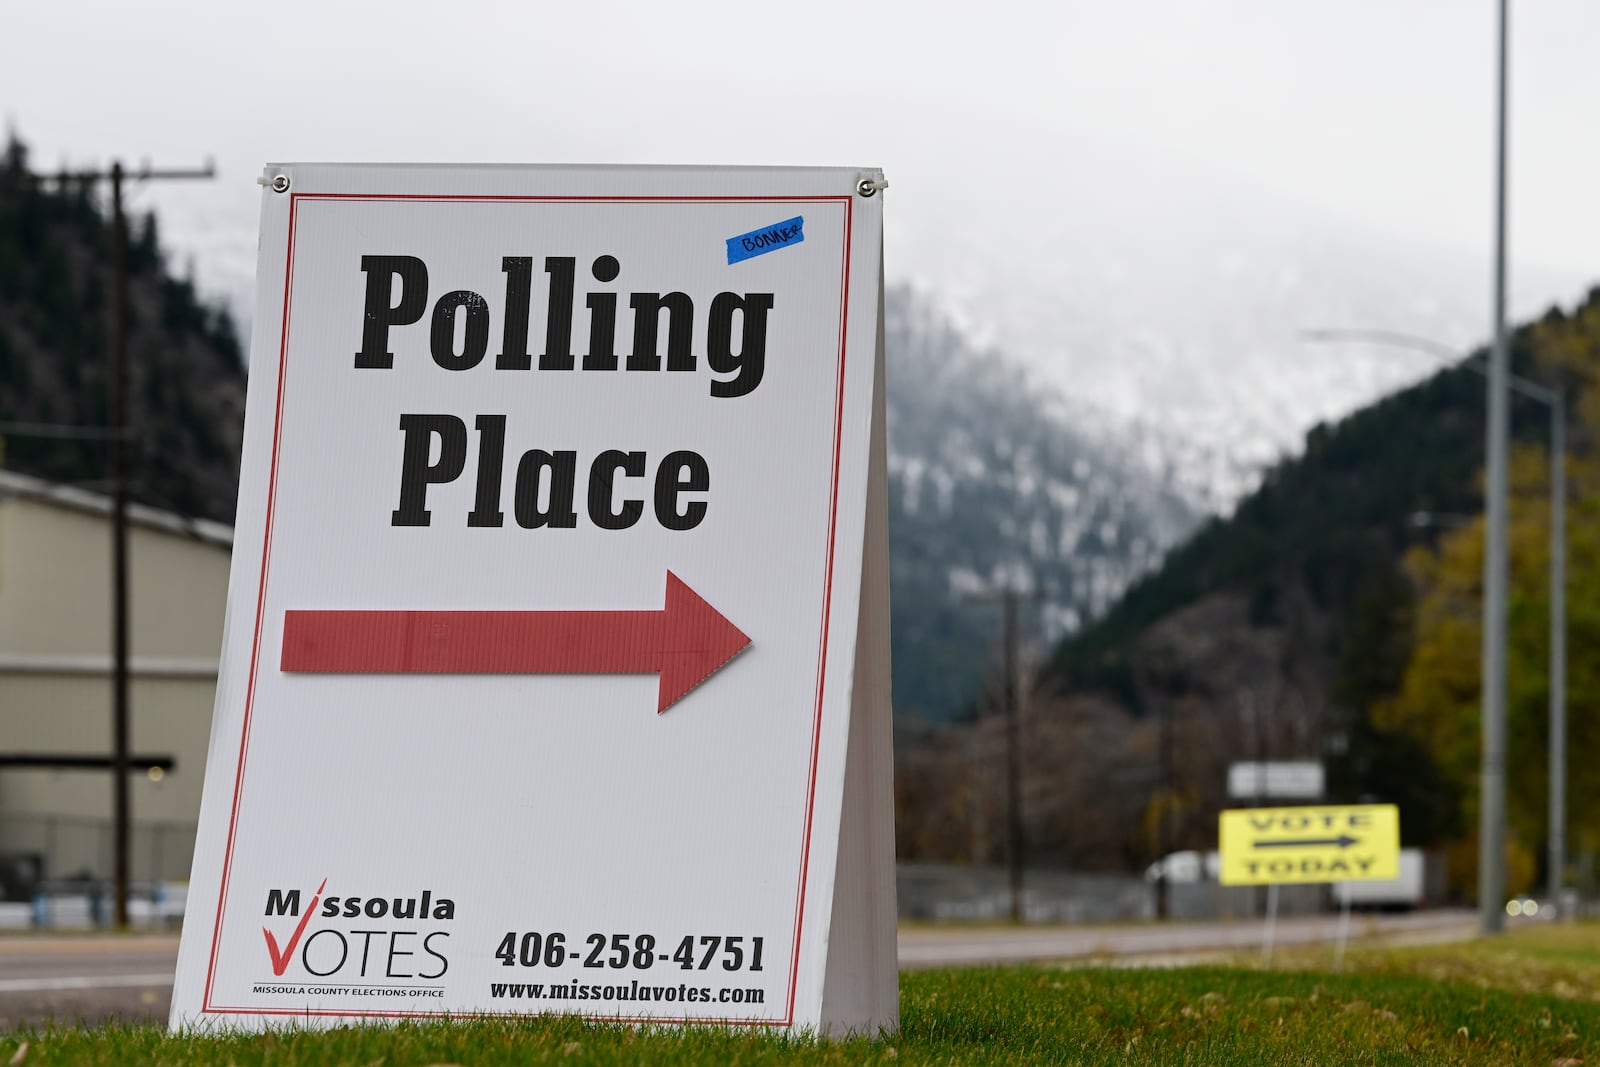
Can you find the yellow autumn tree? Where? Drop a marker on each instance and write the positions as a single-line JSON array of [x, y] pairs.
[[1438, 702]]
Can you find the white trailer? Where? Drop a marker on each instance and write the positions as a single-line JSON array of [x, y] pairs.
[[1412, 889]]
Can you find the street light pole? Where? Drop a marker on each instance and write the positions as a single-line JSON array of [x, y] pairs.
[[1558, 648], [1492, 766]]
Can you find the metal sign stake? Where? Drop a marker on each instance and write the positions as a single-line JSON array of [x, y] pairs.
[[1272, 925], [1344, 936]]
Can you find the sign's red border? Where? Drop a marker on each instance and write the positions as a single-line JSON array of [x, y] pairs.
[[207, 1006]]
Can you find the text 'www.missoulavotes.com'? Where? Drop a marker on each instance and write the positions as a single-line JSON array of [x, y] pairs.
[[633, 991]]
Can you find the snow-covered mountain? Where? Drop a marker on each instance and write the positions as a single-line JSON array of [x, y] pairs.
[[997, 483]]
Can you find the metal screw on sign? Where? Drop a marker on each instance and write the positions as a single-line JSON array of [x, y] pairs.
[[868, 187], [280, 183]]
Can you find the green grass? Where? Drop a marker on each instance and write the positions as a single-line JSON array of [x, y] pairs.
[[1559, 943], [1530, 998]]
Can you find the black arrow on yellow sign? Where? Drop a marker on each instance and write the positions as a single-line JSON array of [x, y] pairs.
[[1342, 841]]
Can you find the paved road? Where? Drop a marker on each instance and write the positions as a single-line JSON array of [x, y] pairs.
[[95, 979], [943, 946], [85, 979]]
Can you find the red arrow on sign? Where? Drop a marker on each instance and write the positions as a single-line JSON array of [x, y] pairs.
[[684, 642]]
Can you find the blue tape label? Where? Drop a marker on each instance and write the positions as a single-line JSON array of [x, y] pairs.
[[767, 239]]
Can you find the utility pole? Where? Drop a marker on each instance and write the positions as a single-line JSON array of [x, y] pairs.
[[1492, 768], [1010, 688], [1013, 753], [117, 433], [1260, 894], [1164, 814]]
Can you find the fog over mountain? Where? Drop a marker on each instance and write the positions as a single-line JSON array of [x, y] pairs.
[[1157, 294], [1172, 297]]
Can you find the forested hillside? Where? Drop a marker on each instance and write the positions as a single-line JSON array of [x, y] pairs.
[[1433, 700], [186, 373]]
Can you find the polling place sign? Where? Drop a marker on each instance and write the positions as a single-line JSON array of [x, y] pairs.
[[555, 673], [1329, 843]]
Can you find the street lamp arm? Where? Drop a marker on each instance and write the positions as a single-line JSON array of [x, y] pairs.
[[1392, 338], [1427, 345], [1530, 389]]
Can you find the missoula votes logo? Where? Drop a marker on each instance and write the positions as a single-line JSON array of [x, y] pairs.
[[361, 939]]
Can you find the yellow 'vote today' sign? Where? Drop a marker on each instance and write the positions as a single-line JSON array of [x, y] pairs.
[[1277, 846]]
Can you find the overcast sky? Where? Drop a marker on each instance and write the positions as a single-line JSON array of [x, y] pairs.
[[1375, 113], [1379, 109]]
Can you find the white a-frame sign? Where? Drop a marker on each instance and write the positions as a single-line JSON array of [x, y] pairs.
[[555, 676]]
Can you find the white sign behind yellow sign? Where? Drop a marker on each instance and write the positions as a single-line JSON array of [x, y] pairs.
[[1279, 846]]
